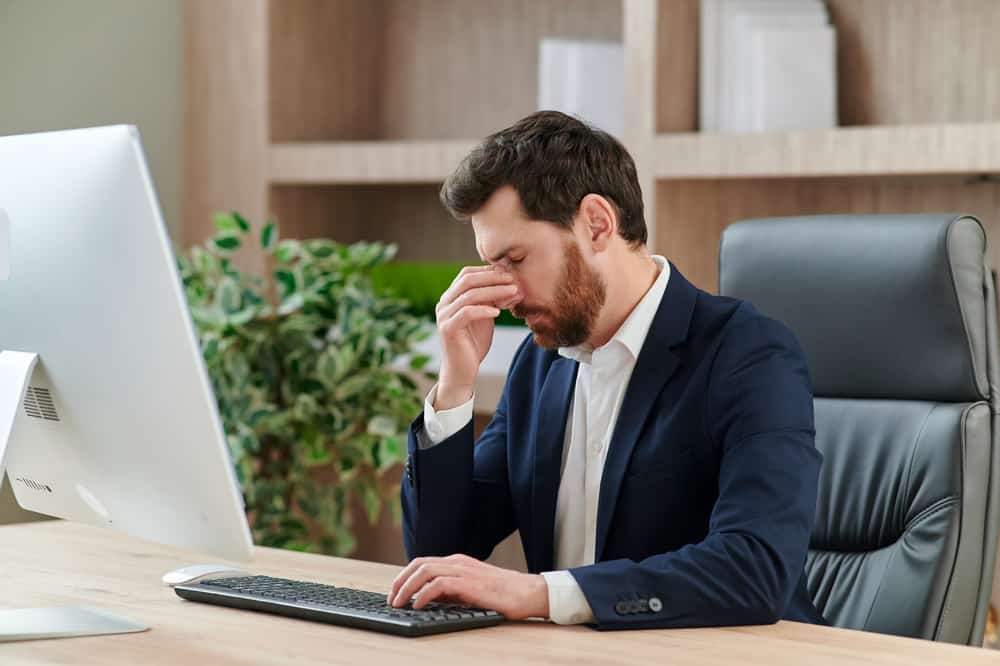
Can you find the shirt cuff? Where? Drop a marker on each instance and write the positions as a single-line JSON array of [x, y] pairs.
[[567, 604], [439, 426]]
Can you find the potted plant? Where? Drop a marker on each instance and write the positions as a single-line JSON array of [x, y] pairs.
[[304, 364]]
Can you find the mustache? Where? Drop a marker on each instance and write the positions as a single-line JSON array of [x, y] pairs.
[[522, 312]]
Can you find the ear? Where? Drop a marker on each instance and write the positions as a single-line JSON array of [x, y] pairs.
[[599, 220]]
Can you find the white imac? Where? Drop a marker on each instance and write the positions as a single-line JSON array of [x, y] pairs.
[[107, 415]]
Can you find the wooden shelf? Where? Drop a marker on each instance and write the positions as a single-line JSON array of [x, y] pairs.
[[364, 162], [842, 152]]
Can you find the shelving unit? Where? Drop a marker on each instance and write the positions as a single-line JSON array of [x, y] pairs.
[[342, 117], [364, 162]]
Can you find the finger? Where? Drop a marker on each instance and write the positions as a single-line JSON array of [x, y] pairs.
[[405, 573], [423, 575], [417, 562], [409, 572], [479, 296], [466, 316], [446, 589], [507, 305], [463, 283]]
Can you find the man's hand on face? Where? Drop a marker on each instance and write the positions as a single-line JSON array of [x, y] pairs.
[[465, 317], [460, 579]]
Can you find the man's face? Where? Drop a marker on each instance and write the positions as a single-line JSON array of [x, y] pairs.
[[561, 296]]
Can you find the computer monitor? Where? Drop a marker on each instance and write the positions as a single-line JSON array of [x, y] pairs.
[[107, 415]]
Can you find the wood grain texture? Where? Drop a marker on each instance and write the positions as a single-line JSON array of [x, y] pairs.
[[676, 53], [58, 563], [409, 215], [640, 92], [326, 69], [415, 69], [359, 162], [225, 114], [859, 151], [917, 61], [693, 214]]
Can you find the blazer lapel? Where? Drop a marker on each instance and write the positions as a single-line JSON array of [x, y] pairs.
[[653, 369], [553, 409]]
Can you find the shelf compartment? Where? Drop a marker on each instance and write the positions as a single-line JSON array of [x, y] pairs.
[[364, 162]]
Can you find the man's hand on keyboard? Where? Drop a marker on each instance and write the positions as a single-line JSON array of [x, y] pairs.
[[460, 579]]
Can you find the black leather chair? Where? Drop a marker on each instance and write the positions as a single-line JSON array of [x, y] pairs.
[[897, 317]]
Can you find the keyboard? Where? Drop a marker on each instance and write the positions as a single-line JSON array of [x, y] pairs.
[[336, 605]]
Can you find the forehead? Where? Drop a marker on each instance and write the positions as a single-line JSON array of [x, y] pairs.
[[501, 224]]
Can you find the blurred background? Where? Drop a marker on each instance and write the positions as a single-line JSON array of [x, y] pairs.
[[340, 119]]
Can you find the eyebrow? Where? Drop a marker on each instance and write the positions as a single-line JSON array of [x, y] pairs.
[[503, 253]]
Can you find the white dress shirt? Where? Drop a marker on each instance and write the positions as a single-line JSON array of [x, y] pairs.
[[600, 387]]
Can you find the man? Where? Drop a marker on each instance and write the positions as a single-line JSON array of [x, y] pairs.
[[653, 443]]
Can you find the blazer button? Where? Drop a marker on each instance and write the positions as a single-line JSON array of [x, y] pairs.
[[655, 604], [622, 608]]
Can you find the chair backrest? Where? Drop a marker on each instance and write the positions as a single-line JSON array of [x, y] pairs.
[[897, 316]]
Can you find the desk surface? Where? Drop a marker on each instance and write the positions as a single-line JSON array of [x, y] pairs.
[[57, 563]]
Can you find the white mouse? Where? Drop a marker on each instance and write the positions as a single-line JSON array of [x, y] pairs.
[[196, 573]]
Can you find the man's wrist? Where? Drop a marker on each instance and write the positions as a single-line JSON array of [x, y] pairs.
[[538, 596], [449, 397]]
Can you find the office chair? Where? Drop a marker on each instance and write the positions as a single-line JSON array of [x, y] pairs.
[[897, 317]]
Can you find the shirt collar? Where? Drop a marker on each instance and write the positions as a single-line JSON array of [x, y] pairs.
[[632, 333]]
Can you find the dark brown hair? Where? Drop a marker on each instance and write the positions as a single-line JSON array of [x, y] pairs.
[[553, 161]]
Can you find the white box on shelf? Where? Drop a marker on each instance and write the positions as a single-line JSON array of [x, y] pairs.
[[584, 78], [740, 94], [793, 71], [725, 91]]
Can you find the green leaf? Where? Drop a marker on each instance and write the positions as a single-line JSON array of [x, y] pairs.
[[287, 250], [227, 242], [204, 261], [210, 348], [291, 304], [328, 367], [300, 546], [241, 222], [268, 235], [382, 426], [351, 387], [287, 281], [321, 249], [207, 318], [396, 512], [392, 447], [225, 222], [419, 361], [372, 503], [243, 317], [227, 295]]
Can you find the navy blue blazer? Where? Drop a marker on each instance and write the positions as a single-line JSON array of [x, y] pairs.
[[708, 493]]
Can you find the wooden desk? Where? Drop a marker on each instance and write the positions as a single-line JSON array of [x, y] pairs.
[[57, 563]]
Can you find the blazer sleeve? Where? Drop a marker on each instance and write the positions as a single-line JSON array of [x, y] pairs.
[[456, 494], [759, 416]]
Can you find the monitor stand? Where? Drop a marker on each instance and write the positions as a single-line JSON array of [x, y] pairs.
[[20, 624]]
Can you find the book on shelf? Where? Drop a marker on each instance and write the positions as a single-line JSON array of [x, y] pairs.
[[766, 65], [584, 78]]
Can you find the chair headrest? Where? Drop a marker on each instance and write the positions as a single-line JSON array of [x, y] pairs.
[[885, 306]]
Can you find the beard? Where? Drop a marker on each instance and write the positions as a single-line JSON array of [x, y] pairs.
[[579, 297]]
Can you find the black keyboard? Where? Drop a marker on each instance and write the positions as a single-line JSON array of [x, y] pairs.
[[336, 605]]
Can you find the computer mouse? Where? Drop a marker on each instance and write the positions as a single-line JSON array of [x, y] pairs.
[[197, 573]]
